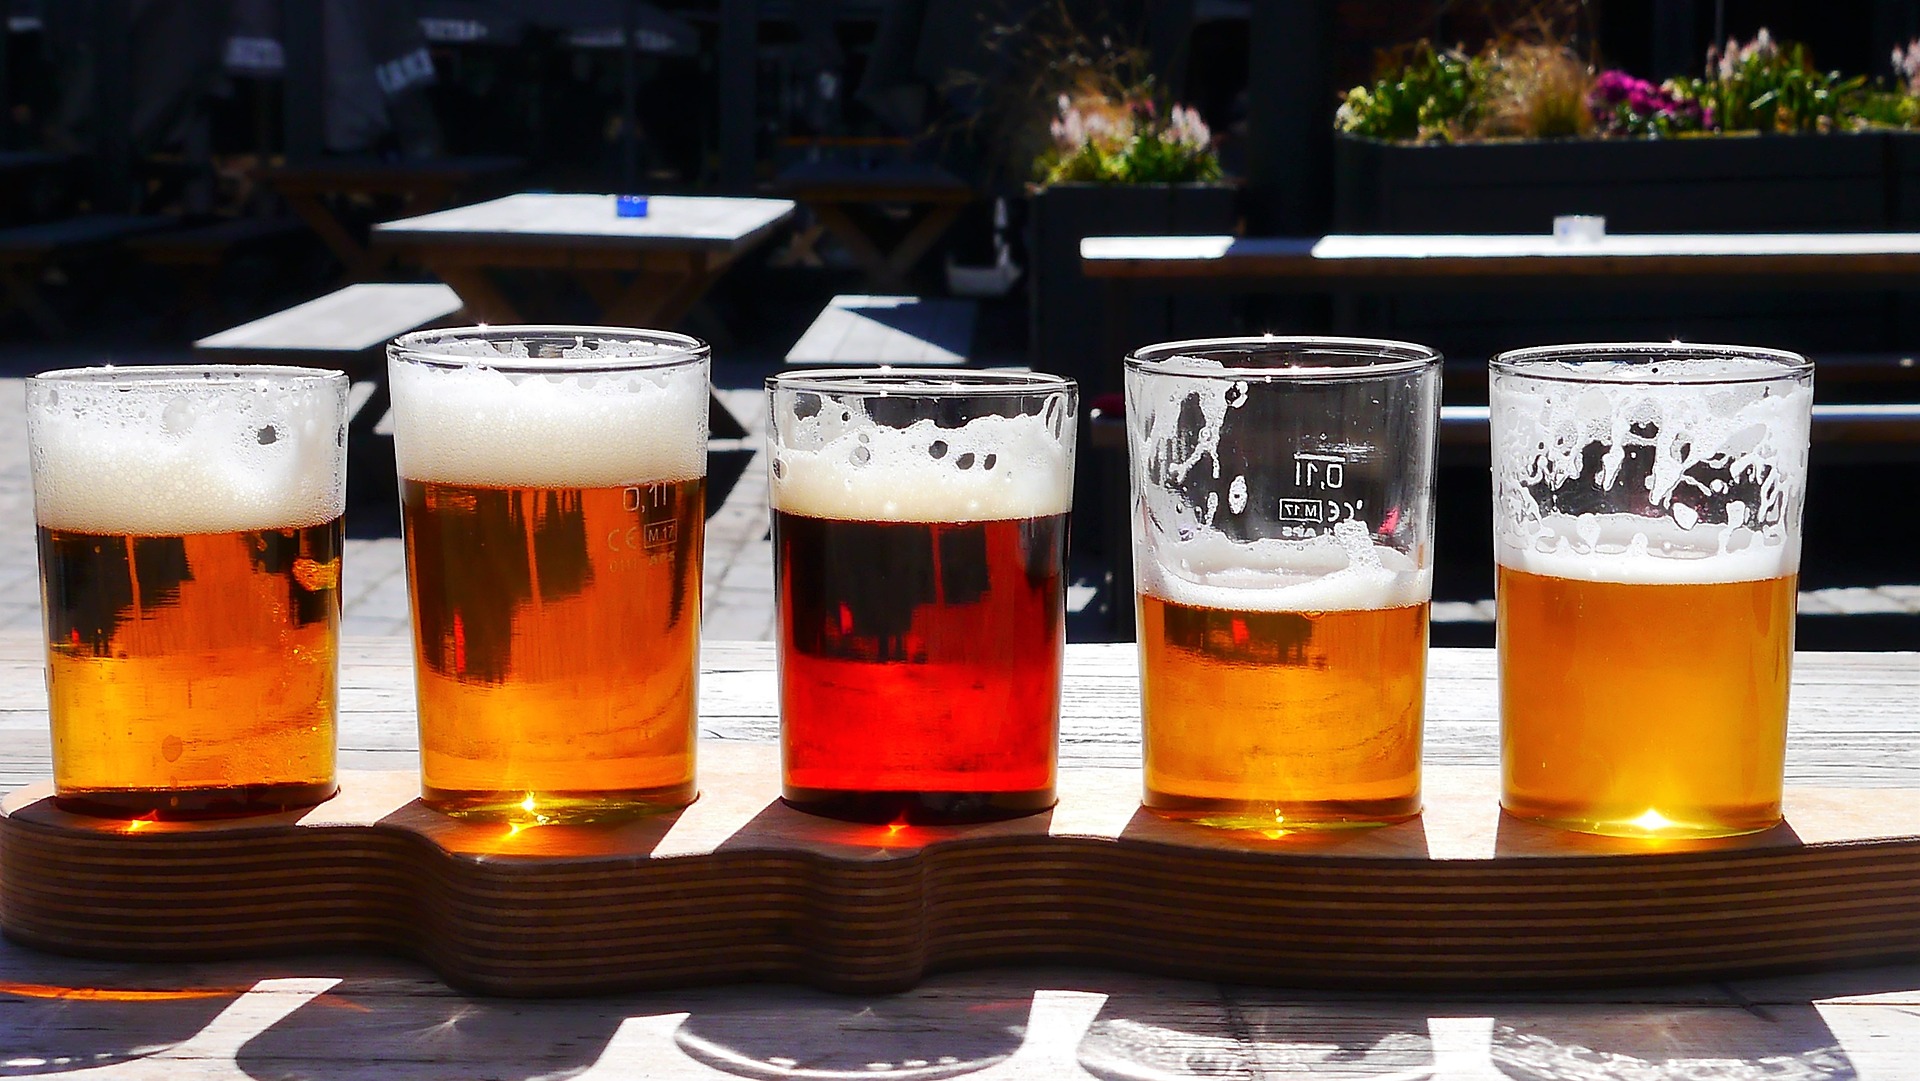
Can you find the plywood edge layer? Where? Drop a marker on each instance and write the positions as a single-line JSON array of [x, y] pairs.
[[745, 889]]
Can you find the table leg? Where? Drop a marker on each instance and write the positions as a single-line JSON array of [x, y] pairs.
[[358, 260], [484, 302], [660, 298], [924, 234], [864, 251]]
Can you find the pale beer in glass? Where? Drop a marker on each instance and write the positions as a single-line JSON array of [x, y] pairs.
[[189, 528], [1282, 527], [1647, 504], [553, 486]]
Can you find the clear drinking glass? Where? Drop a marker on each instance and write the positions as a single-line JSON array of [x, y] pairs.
[[189, 525], [553, 485], [1647, 502], [920, 532], [1283, 553]]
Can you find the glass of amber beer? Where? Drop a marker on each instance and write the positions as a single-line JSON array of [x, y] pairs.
[[553, 484], [1283, 550], [1647, 502], [920, 531], [189, 526]]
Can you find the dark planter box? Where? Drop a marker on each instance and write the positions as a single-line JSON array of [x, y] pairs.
[[1067, 312], [1737, 184]]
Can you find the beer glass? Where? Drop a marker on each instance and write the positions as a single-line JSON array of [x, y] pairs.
[[1283, 553], [920, 532], [189, 527], [553, 483], [1646, 525]]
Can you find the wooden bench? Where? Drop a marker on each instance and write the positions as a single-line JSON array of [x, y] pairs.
[[893, 330], [345, 329], [195, 254], [26, 251]]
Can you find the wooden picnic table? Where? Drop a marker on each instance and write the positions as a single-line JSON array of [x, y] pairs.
[[838, 193], [644, 272], [345, 1014], [418, 186]]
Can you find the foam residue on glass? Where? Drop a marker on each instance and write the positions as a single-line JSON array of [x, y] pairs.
[[839, 462], [1184, 554], [1660, 473]]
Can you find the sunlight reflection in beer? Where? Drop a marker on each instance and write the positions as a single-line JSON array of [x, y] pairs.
[[189, 530], [1282, 551], [1647, 517], [553, 496], [920, 543]]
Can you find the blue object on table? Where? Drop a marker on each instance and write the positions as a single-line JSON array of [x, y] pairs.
[[630, 206]]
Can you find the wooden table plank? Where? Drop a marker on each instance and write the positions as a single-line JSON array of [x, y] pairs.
[[1397, 259], [722, 224]]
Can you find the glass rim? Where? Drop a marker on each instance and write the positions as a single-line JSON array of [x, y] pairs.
[[1776, 364], [921, 382], [681, 350], [1375, 357], [169, 375]]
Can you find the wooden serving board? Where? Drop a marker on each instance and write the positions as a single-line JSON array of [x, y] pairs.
[[739, 887]]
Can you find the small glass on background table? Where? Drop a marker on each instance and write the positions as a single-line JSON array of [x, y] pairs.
[[1283, 552], [553, 484], [1647, 505], [920, 530], [189, 528]]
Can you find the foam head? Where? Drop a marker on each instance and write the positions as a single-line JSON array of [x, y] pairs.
[[840, 463], [1341, 571], [173, 451], [496, 408]]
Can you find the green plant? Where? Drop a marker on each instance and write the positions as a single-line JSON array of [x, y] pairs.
[[1535, 90], [1431, 97], [1764, 86]]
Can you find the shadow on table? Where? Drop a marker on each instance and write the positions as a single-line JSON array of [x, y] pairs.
[[363, 1025], [1043, 1022], [48, 1028], [1555, 1043]]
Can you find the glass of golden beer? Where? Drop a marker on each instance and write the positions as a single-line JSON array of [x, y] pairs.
[[1647, 502], [189, 526], [1283, 551], [920, 532], [553, 484]]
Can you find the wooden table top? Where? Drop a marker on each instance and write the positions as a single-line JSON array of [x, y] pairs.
[[1853, 725], [719, 224], [1338, 256]]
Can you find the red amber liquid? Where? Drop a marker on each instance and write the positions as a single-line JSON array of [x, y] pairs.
[[920, 666]]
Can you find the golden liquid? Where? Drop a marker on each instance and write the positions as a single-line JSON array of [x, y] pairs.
[[192, 675], [556, 638], [1644, 710], [1282, 720]]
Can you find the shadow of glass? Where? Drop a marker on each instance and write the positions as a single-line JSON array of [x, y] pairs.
[[922, 1034], [368, 1024], [472, 837], [1572, 1042], [1519, 837], [1155, 1037], [48, 1028], [1401, 840]]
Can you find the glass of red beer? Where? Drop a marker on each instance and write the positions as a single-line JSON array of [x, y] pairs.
[[920, 538]]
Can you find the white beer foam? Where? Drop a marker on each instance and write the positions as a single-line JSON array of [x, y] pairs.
[[1630, 550], [209, 457], [1346, 572], [839, 464], [481, 426]]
